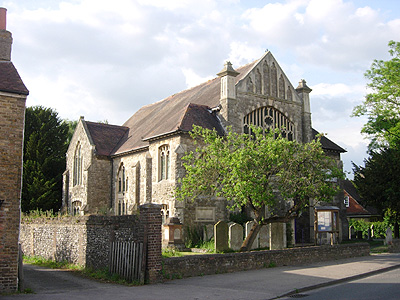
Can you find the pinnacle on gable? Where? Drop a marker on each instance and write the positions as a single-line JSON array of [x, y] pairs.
[[303, 87], [228, 70]]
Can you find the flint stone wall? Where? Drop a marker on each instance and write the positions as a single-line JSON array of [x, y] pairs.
[[86, 240], [198, 265]]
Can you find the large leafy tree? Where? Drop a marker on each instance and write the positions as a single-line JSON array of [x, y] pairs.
[[382, 103], [45, 145], [259, 171], [378, 182]]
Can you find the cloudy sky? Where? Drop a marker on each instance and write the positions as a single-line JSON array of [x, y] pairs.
[[105, 59]]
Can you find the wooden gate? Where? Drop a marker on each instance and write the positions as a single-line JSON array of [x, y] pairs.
[[126, 260]]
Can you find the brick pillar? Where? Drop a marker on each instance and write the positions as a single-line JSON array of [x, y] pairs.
[[150, 217]]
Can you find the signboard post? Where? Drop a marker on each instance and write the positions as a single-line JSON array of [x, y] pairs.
[[326, 221]]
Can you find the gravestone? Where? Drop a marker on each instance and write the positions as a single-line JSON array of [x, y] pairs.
[[264, 236], [277, 236], [221, 236], [256, 243], [389, 236], [235, 236]]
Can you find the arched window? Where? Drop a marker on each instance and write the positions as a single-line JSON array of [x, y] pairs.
[[274, 79], [164, 162], [269, 118], [76, 208], [258, 82], [77, 180], [122, 180], [289, 94], [266, 78], [281, 87]]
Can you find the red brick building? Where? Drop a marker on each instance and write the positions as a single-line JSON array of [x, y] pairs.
[[13, 95]]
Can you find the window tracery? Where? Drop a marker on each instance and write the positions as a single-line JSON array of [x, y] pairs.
[[164, 162], [269, 118]]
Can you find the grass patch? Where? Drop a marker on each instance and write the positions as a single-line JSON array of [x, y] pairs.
[[171, 252], [99, 274], [376, 246]]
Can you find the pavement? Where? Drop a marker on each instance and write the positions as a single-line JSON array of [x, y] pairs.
[[263, 284]]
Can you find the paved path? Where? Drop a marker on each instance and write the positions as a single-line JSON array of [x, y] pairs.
[[257, 284]]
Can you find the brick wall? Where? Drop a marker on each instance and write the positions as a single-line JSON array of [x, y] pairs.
[[85, 240], [12, 114], [197, 265]]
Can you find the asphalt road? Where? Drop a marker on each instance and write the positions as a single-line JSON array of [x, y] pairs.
[[382, 286], [262, 284]]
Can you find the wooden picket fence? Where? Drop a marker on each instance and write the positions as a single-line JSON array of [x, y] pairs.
[[127, 260]]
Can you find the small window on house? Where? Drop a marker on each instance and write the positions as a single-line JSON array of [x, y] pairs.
[[77, 180], [164, 162], [347, 201]]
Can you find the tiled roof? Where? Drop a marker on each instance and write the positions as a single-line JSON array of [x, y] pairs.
[[105, 136], [327, 144], [200, 115], [166, 115], [10, 81], [355, 206]]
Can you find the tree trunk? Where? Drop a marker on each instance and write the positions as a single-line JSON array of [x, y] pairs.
[[248, 242]]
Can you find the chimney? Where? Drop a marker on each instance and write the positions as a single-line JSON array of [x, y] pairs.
[[5, 37]]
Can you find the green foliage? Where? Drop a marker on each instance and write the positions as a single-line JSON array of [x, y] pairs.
[[258, 171], [193, 237], [239, 217], [363, 226], [45, 145], [382, 104], [171, 252], [378, 181], [248, 170]]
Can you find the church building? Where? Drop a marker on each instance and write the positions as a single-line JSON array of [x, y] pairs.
[[114, 169]]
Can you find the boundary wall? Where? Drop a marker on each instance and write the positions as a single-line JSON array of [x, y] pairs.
[[198, 265], [86, 240]]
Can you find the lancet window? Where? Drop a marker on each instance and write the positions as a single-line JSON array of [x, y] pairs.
[[164, 162], [77, 180]]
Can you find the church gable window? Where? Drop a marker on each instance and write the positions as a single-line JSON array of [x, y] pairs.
[[269, 118], [164, 162], [250, 85], [258, 82], [289, 94], [77, 180], [281, 87], [274, 79], [266, 78]]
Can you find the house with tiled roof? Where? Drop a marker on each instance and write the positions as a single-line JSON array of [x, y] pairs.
[[354, 204], [114, 169]]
